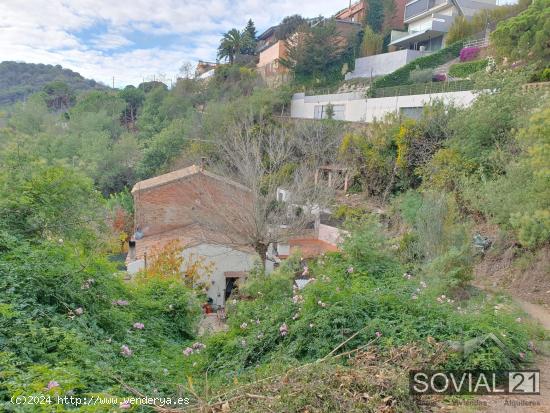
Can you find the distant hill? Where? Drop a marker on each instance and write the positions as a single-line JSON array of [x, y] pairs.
[[19, 80]]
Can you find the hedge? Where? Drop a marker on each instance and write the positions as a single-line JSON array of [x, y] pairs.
[[401, 75], [423, 88], [463, 70]]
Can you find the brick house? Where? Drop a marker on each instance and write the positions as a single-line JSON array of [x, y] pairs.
[[193, 207], [184, 206]]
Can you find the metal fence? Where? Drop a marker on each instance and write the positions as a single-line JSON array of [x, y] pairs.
[[484, 42]]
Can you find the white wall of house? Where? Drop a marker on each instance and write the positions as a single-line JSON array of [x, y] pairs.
[[361, 109], [223, 259]]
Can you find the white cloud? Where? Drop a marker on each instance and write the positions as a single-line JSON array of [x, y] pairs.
[[46, 31], [110, 41]]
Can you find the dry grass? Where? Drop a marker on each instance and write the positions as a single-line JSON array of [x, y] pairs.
[[366, 381]]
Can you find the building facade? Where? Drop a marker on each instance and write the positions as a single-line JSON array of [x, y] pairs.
[[429, 21], [187, 207]]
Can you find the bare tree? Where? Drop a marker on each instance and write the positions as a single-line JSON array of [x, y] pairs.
[[263, 159], [186, 70]]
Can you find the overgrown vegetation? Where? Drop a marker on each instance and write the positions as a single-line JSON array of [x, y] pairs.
[[397, 296], [463, 70]]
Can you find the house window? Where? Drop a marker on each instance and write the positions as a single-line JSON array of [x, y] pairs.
[[320, 112]]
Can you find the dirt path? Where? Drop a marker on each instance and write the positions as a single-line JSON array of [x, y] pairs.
[[537, 312], [210, 323]]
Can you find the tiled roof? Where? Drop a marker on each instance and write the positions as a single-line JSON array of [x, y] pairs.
[[178, 175], [311, 247]]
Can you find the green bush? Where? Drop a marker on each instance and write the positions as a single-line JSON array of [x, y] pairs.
[[401, 75], [525, 36], [533, 229], [361, 290], [462, 70], [421, 75]]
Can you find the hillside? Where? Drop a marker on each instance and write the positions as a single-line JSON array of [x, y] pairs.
[[275, 263], [19, 80]]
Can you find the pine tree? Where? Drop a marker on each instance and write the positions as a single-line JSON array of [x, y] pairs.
[[251, 29]]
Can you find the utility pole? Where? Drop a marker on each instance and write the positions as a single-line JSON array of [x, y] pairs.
[[113, 82]]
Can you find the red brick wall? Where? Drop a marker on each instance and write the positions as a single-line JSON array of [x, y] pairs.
[[395, 21], [194, 199]]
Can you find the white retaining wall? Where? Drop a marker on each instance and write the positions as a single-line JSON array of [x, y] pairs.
[[358, 108], [384, 63]]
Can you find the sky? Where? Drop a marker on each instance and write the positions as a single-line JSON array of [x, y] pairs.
[[134, 40]]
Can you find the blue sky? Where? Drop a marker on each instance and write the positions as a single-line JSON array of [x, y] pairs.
[[134, 40]]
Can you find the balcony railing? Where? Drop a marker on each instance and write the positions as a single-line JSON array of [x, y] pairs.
[[417, 7]]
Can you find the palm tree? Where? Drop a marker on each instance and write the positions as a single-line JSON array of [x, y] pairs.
[[234, 43]]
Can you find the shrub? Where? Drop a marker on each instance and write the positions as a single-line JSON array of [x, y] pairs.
[[421, 75], [455, 266], [525, 35], [518, 199], [469, 53], [463, 70], [533, 229], [372, 42], [541, 76], [434, 221]]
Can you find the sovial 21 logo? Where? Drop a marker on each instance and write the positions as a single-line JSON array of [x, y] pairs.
[[475, 382]]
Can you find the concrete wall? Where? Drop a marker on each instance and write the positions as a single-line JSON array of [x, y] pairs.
[[223, 259], [329, 234], [361, 109], [384, 63]]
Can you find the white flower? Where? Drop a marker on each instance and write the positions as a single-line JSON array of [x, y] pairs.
[[244, 326], [414, 297]]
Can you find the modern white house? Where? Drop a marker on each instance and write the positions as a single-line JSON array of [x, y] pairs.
[[356, 107], [429, 21]]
